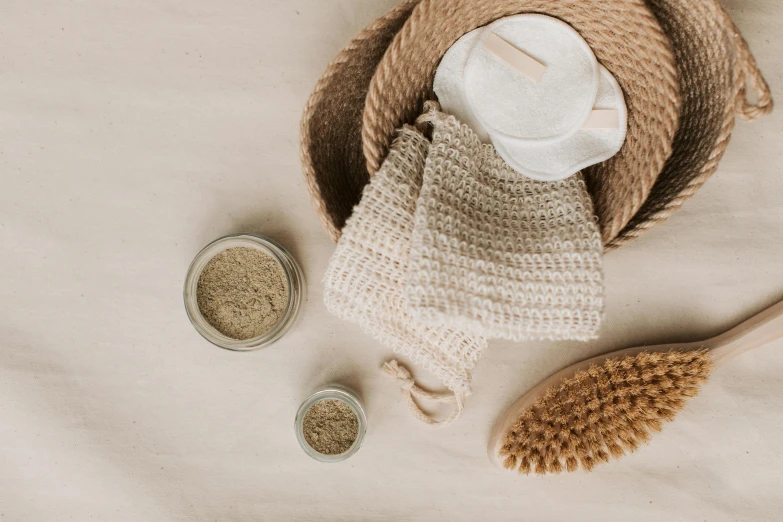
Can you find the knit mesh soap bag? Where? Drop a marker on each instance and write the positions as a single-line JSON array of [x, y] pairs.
[[365, 280], [498, 254]]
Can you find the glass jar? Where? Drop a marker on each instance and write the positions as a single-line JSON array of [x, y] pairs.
[[294, 278], [339, 393]]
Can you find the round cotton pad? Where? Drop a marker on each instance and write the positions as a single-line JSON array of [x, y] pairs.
[[449, 83], [588, 146], [512, 104]]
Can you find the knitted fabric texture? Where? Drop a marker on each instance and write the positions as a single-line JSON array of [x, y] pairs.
[[365, 279], [499, 254]]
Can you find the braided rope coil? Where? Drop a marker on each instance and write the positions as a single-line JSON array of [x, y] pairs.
[[716, 75], [716, 71], [333, 162]]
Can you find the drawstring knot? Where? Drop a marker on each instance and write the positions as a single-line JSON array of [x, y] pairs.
[[408, 385], [401, 374]]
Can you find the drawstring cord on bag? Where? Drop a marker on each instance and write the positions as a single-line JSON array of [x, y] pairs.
[[412, 392], [396, 370], [428, 116]]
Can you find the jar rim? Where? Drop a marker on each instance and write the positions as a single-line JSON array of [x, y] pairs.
[[344, 395], [294, 280]]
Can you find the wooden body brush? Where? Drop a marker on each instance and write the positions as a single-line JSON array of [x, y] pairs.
[[607, 406]]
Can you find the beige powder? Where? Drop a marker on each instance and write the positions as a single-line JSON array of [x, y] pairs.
[[330, 427], [243, 293]]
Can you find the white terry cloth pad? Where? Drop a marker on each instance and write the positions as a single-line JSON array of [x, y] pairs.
[[510, 104], [586, 147], [549, 162], [449, 84]]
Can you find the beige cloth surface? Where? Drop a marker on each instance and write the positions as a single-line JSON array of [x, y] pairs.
[[133, 133]]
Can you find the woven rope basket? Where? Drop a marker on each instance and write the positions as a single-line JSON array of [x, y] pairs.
[[403, 81], [716, 69], [332, 154]]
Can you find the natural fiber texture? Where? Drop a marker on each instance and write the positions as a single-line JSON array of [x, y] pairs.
[[412, 392], [498, 254], [716, 69], [626, 38], [366, 276], [332, 155], [511, 106], [604, 412], [585, 148], [716, 74]]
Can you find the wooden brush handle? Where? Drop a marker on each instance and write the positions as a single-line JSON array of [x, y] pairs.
[[758, 331], [762, 329]]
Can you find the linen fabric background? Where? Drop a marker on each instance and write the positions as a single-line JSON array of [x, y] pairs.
[[133, 133]]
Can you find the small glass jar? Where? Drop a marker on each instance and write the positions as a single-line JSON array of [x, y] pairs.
[[294, 278], [339, 393]]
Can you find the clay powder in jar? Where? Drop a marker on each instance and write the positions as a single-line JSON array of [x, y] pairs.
[[243, 293], [330, 427]]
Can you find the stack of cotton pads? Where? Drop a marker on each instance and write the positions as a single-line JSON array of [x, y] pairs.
[[531, 86]]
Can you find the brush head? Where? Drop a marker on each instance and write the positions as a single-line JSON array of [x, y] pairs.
[[603, 412]]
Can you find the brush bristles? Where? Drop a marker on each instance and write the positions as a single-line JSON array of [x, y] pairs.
[[603, 412]]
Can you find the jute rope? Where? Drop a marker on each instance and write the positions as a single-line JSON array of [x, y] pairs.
[[331, 148], [716, 71], [625, 36], [412, 392]]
